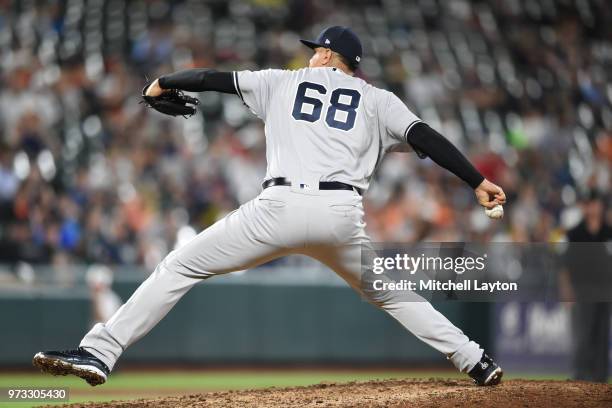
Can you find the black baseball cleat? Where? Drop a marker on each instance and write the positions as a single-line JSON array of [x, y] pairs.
[[77, 362], [486, 372]]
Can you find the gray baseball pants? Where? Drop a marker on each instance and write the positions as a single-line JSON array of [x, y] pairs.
[[325, 225]]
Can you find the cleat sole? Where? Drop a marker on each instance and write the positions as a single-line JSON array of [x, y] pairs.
[[56, 366]]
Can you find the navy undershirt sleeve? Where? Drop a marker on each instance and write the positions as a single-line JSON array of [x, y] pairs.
[[199, 80], [429, 143]]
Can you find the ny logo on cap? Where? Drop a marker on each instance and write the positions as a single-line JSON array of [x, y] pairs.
[[327, 41]]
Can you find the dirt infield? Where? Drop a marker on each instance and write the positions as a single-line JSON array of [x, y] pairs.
[[395, 393]]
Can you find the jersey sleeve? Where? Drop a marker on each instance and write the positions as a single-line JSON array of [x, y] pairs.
[[256, 88], [396, 120]]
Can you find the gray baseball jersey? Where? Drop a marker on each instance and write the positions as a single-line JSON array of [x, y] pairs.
[[322, 124]]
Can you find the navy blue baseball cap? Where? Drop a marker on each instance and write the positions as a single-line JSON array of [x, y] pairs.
[[341, 40]]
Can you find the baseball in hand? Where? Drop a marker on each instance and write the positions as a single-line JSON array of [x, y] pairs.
[[496, 212]]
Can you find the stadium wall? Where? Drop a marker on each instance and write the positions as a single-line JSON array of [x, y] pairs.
[[238, 324]]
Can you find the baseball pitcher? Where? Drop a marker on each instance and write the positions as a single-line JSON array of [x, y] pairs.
[[326, 131]]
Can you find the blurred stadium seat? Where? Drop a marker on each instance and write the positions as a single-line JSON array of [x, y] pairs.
[[88, 175]]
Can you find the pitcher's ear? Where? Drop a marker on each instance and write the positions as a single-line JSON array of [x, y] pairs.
[[327, 56]]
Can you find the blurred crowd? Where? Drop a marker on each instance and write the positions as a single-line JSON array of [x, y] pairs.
[[87, 174]]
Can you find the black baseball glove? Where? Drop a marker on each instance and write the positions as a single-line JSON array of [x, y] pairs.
[[172, 102]]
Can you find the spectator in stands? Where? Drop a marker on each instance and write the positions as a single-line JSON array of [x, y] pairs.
[[85, 171]]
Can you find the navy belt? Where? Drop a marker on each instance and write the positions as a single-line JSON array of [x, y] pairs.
[[323, 185]]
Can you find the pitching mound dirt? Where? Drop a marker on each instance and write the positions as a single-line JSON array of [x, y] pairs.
[[432, 393]]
